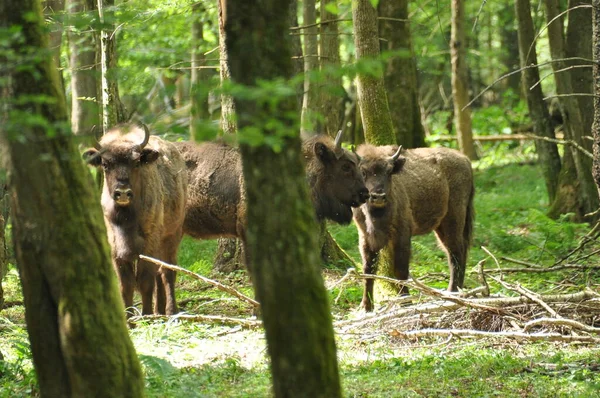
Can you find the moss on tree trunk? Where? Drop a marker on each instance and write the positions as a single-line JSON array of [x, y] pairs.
[[75, 317]]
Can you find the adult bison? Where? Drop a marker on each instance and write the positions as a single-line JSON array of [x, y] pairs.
[[143, 199], [216, 205], [414, 192]]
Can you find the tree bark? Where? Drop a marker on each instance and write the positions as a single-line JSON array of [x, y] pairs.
[[85, 109], [3, 259], [297, 59], [401, 73], [113, 111], [596, 79], [284, 256], [331, 102], [538, 111], [309, 119], [460, 84], [75, 317], [198, 94], [54, 9], [573, 121], [509, 57], [372, 101]]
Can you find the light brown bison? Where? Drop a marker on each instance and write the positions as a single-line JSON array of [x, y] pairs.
[[143, 199], [414, 192], [216, 205]]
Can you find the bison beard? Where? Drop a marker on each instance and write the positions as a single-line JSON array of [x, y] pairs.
[[427, 189]]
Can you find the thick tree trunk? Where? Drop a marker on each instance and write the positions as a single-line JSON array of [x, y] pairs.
[[460, 83], [284, 256], [509, 38], [85, 108], [331, 102], [538, 111], [54, 10], [372, 101], [309, 123], [198, 96], [573, 120], [596, 76], [113, 111], [401, 73], [75, 317]]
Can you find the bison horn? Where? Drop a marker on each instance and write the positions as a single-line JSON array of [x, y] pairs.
[[146, 136], [395, 156], [338, 144]]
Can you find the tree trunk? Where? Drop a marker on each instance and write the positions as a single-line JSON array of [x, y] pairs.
[[460, 83], [310, 123], [112, 108], [52, 9], [401, 73], [596, 79], [538, 111], [75, 317], [374, 110], [85, 109], [198, 95], [573, 121], [3, 259], [331, 102], [284, 256], [509, 38], [372, 101], [297, 59]]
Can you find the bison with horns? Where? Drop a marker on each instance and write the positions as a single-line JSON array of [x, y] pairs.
[[143, 199], [216, 205], [414, 192]]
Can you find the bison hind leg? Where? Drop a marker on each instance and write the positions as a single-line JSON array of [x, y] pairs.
[[451, 238]]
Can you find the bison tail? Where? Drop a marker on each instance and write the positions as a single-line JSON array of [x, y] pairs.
[[470, 220]]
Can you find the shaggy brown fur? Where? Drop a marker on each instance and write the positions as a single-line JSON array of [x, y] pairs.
[[143, 199], [216, 205], [423, 190]]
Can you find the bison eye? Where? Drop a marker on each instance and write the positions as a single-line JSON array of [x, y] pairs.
[[346, 168], [105, 166]]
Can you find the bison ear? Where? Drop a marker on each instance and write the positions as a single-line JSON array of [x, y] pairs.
[[92, 157], [148, 155], [398, 164], [323, 152]]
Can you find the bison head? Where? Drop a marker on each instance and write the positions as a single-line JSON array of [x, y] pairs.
[[121, 153], [334, 178], [378, 165]]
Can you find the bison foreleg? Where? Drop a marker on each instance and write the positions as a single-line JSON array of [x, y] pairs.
[[402, 252], [369, 261], [166, 280], [145, 278], [126, 283]]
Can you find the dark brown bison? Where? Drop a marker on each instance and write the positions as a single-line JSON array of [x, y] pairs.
[[216, 205], [414, 192], [143, 199]]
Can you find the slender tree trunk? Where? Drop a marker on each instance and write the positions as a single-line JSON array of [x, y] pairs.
[[573, 121], [460, 83], [3, 259], [372, 101], [198, 94], [547, 152], [75, 317], [297, 59], [310, 123], [85, 109], [596, 77], [54, 10], [509, 37], [112, 108], [229, 255], [374, 110], [401, 73], [331, 103], [284, 256]]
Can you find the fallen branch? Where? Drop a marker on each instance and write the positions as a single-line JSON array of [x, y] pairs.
[[198, 318], [218, 285], [542, 270], [561, 322], [530, 295], [468, 333]]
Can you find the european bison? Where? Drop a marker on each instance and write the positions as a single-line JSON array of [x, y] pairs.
[[414, 192], [143, 199], [216, 205]]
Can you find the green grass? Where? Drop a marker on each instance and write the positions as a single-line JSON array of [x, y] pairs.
[[208, 360]]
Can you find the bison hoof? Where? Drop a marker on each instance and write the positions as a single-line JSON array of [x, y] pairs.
[[367, 306]]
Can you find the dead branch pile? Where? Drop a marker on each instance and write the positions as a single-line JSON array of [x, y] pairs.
[[477, 314]]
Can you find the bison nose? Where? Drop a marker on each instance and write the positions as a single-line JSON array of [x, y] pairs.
[[363, 194], [123, 195], [377, 195]]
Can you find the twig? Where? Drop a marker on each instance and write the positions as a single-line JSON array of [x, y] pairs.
[[561, 322], [542, 270], [558, 71], [594, 232], [199, 318], [521, 290], [218, 285], [521, 262], [468, 333]]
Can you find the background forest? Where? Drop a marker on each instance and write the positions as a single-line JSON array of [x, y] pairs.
[[509, 83]]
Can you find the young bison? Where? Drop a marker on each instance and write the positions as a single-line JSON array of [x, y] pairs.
[[216, 205], [143, 200], [422, 190]]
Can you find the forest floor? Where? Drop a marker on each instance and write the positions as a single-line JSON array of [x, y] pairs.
[[432, 346]]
